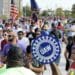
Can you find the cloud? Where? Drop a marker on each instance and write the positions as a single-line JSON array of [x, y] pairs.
[[52, 4]]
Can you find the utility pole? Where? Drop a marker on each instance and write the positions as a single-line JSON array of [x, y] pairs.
[[19, 9]]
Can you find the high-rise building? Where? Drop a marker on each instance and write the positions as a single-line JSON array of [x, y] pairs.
[[5, 6]]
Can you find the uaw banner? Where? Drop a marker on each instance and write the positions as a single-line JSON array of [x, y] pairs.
[[46, 49]]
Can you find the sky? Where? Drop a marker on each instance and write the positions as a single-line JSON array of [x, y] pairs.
[[52, 4]]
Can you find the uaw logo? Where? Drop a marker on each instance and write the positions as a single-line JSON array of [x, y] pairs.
[[45, 49]]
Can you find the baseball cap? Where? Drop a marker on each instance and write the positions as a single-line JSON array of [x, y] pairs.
[[19, 29]]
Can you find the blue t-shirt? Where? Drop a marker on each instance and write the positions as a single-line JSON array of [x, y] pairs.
[[45, 32], [6, 49]]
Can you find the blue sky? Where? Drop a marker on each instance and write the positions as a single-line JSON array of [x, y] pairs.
[[52, 4]]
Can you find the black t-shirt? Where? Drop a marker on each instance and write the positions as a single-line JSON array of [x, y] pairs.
[[56, 33], [69, 48], [31, 36]]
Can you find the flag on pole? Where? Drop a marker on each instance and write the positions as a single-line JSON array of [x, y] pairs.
[[34, 8], [34, 5], [13, 11]]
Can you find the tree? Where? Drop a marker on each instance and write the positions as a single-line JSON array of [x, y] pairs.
[[3, 17], [27, 11], [45, 13], [67, 13], [73, 10], [59, 12], [20, 13]]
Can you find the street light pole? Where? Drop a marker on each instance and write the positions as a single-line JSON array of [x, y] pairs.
[[25, 11]]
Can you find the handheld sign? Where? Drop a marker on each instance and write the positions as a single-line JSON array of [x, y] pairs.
[[45, 49]]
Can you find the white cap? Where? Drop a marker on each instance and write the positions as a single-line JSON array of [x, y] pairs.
[[1, 28], [20, 29]]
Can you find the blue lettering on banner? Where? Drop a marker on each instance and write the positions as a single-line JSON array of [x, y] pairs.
[[45, 49]]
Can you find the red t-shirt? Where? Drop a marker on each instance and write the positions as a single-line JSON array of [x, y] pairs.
[[72, 66], [60, 27], [3, 43]]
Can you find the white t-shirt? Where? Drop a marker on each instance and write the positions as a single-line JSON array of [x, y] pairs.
[[17, 71], [56, 23], [27, 28], [72, 30], [23, 43]]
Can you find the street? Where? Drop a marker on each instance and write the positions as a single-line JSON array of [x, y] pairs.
[[62, 61]]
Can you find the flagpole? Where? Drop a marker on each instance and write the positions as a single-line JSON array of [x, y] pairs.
[[34, 8], [19, 8]]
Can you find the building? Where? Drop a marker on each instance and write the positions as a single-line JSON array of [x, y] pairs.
[[5, 7]]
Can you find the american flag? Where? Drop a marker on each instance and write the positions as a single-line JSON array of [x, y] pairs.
[[13, 11]]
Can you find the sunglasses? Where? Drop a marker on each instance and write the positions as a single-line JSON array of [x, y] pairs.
[[5, 34], [12, 36]]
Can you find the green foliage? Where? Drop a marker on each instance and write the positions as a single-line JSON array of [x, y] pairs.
[[67, 13], [73, 11], [45, 13], [20, 13], [3, 17], [27, 11], [59, 12]]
